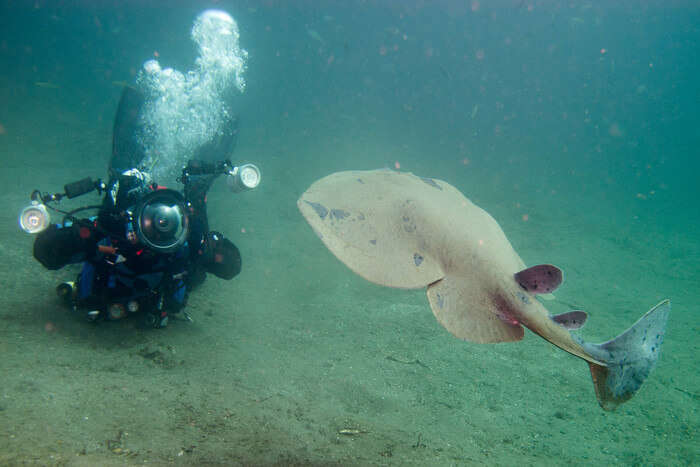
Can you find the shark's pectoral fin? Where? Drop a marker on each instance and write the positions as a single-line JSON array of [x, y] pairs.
[[371, 223], [540, 279], [470, 313]]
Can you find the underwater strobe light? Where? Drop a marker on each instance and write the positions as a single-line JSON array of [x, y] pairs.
[[34, 218], [243, 178]]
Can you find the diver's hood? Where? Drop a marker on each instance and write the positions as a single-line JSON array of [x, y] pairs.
[[161, 221]]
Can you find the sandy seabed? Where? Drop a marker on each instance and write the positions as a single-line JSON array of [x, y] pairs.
[[299, 362]]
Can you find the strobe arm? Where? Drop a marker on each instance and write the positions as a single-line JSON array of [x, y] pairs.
[[239, 178], [72, 190], [200, 167]]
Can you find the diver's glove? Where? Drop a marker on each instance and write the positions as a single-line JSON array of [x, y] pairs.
[[220, 256]]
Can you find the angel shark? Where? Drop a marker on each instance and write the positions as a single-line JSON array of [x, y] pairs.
[[400, 230]]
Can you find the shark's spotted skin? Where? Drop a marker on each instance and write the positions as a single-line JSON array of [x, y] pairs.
[[400, 230]]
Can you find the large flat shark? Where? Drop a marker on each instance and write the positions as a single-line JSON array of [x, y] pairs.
[[400, 230]]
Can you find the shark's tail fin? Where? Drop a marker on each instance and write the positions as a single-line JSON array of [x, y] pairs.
[[629, 357]]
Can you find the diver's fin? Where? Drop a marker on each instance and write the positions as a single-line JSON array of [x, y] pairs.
[[127, 152], [629, 357], [222, 145]]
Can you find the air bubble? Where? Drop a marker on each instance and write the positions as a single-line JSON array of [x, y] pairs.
[[183, 111]]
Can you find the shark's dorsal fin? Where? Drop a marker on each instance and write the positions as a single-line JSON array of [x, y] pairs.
[[540, 279], [571, 319]]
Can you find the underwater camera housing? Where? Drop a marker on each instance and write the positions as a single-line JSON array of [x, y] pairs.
[[35, 218], [161, 221]]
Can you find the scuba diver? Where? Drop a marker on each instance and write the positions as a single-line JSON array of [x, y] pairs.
[[148, 246]]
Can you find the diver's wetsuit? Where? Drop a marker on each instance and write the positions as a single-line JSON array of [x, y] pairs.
[[115, 266]]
